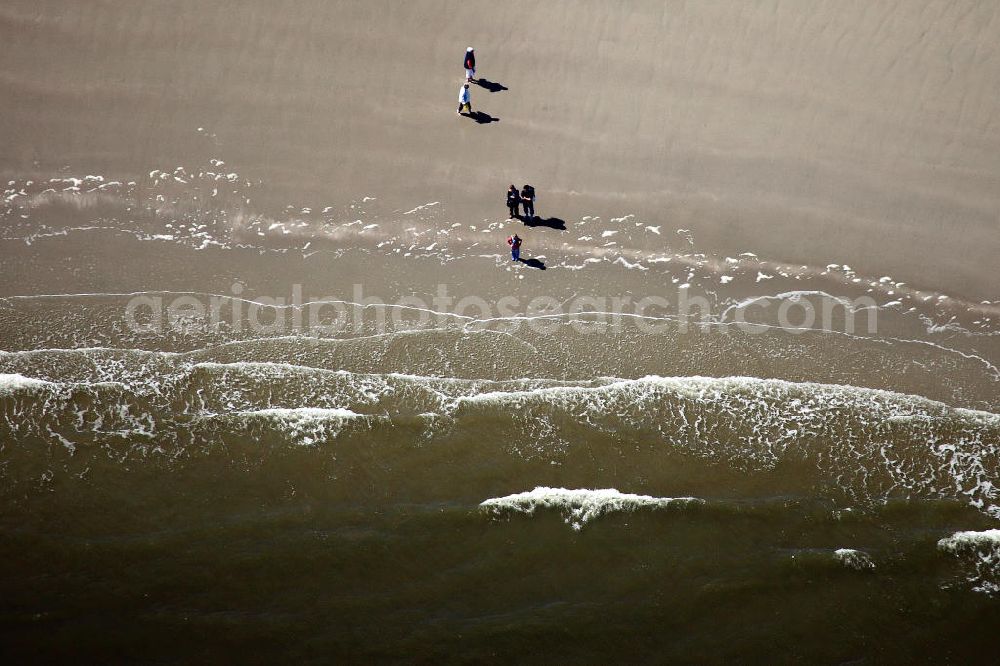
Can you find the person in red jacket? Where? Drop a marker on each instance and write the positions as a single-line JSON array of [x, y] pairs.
[[470, 64], [515, 247]]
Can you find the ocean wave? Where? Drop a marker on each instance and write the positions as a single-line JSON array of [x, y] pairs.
[[579, 506], [10, 383], [854, 559], [869, 444], [980, 551], [465, 347], [306, 426]]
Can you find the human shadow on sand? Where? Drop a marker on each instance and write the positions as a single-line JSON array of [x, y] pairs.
[[550, 222], [481, 118], [534, 263], [492, 86]]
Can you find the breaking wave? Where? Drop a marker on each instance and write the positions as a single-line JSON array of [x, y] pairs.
[[869, 445], [980, 551], [854, 559], [579, 507]]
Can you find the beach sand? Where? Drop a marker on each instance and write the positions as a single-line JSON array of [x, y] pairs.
[[816, 133], [209, 491]]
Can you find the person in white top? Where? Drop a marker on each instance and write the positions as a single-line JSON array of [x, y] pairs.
[[464, 99]]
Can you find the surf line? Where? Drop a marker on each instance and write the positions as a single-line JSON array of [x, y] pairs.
[[471, 321]]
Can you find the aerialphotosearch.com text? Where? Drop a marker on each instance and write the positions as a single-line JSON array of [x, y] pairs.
[[360, 312]]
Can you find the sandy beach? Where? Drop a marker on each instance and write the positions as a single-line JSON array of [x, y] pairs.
[[813, 134], [589, 456]]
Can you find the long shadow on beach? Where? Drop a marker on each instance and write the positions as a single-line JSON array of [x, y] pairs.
[[550, 222], [492, 86], [481, 118], [534, 263]]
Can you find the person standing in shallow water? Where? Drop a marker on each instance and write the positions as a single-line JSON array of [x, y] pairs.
[[464, 99], [515, 247], [513, 201], [470, 65]]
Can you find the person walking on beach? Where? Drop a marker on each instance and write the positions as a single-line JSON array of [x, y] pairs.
[[470, 65], [515, 247], [528, 201], [513, 201], [464, 99]]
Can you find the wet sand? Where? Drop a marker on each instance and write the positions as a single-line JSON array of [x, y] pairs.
[[442, 483], [813, 133]]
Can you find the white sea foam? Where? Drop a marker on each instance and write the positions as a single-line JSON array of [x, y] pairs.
[[10, 383], [754, 423], [306, 426], [622, 261], [854, 559], [873, 444], [304, 413], [579, 506], [981, 552], [793, 296], [422, 207], [959, 541]]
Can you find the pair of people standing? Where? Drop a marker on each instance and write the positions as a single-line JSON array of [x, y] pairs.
[[464, 94], [525, 199]]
